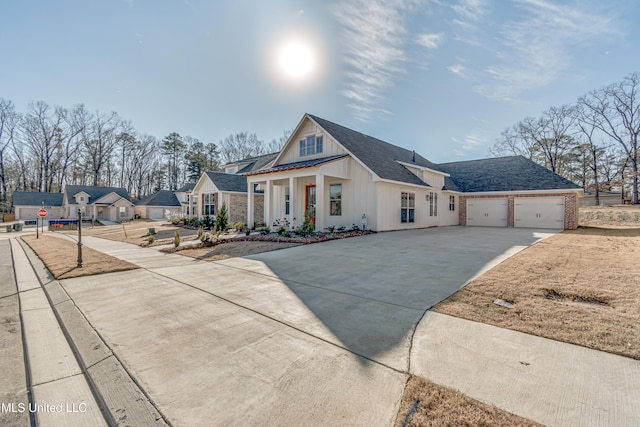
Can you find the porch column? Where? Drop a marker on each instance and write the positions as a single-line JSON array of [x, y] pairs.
[[320, 207], [190, 206], [268, 194], [250, 204], [292, 201]]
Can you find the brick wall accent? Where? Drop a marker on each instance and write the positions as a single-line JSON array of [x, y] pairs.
[[258, 209], [571, 207], [238, 208]]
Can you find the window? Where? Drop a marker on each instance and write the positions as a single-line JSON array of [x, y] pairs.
[[82, 198], [287, 201], [231, 170], [335, 199], [433, 204], [407, 207], [452, 203], [122, 212], [208, 204], [311, 145]]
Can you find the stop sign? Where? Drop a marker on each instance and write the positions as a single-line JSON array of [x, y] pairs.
[[42, 213]]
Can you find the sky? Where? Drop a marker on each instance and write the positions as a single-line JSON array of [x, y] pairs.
[[444, 78]]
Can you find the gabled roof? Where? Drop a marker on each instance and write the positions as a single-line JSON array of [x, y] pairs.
[[186, 188], [228, 181], [94, 192], [34, 198], [161, 198], [379, 156], [513, 173], [255, 163]]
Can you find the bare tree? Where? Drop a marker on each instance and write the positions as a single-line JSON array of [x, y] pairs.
[[8, 121], [99, 142], [239, 146], [616, 112]]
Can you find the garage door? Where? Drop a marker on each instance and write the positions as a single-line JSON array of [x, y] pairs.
[[539, 212], [156, 213], [487, 212], [28, 214]]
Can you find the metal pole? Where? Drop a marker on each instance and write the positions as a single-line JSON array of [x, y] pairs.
[[37, 227], [79, 238]]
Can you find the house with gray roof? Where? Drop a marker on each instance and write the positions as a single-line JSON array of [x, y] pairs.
[[26, 205], [160, 205], [101, 203], [340, 177], [214, 189]]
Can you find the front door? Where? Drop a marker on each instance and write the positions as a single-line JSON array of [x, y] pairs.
[[310, 202]]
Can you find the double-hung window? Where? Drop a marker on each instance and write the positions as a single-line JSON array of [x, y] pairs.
[[311, 145], [287, 201], [335, 199], [407, 207], [433, 204], [208, 204], [452, 203], [122, 212]]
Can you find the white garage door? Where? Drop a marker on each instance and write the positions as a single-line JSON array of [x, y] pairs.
[[487, 212], [155, 213], [539, 212], [27, 214]]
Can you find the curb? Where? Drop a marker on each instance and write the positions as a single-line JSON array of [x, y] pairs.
[[121, 399]]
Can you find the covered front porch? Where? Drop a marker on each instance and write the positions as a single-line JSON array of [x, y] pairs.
[[291, 194]]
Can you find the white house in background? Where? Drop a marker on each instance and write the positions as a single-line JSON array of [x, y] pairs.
[[160, 205], [26, 205], [341, 177], [101, 203]]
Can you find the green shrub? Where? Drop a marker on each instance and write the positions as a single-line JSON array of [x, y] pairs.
[[176, 240], [264, 231], [282, 230], [307, 227], [239, 226], [222, 219]]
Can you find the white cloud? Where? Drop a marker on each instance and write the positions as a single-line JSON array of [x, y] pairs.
[[473, 141], [472, 10], [374, 35], [535, 50], [430, 41], [459, 70]]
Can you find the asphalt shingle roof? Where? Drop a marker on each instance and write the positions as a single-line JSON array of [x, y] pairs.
[[256, 163], [228, 181], [513, 173], [186, 188], [94, 192], [34, 198], [379, 156], [161, 198]]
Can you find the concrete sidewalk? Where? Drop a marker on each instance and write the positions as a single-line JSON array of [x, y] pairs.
[[60, 394], [234, 341]]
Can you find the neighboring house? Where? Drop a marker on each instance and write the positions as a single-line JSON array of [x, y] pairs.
[[188, 203], [250, 164], [160, 205], [215, 188], [341, 177], [106, 203], [101, 203], [26, 205]]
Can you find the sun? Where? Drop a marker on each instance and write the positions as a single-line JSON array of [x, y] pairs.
[[296, 59]]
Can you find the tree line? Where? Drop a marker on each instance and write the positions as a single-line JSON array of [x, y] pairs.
[[47, 147], [592, 142]]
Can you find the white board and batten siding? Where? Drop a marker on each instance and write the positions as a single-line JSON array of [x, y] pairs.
[[539, 212], [329, 145], [487, 212]]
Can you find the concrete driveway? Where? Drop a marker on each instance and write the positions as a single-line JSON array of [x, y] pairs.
[[316, 334]]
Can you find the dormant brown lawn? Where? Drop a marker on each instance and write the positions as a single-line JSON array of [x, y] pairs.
[[580, 286], [444, 407], [60, 255]]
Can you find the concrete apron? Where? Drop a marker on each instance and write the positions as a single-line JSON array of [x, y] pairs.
[[278, 339]]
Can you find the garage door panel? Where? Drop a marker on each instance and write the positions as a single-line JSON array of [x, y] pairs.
[[156, 213], [487, 212], [539, 212]]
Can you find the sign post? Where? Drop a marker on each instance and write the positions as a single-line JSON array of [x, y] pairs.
[[79, 238], [42, 213]]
